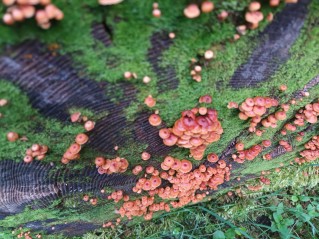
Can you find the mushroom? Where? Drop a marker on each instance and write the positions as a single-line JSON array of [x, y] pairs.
[[207, 6], [12, 136], [155, 120], [254, 6], [254, 18], [81, 139], [192, 11], [109, 2]]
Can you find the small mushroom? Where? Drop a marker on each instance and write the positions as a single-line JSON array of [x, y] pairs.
[[192, 11]]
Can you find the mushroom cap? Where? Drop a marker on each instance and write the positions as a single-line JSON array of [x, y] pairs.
[[109, 2], [169, 161], [212, 157], [99, 161], [75, 148], [254, 6], [150, 101], [186, 166], [89, 125], [207, 6], [192, 11], [145, 156], [155, 120], [164, 133], [81, 138], [12, 136], [177, 164], [27, 159]]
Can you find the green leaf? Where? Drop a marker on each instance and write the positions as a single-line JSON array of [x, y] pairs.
[[289, 222], [277, 217], [294, 198], [280, 208], [230, 233], [304, 198], [218, 235]]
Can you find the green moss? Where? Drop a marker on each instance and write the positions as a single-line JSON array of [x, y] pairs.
[[129, 53]]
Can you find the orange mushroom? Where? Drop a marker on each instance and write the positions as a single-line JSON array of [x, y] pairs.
[[191, 11], [81, 139], [155, 120]]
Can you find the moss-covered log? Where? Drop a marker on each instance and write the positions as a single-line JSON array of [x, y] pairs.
[[78, 65]]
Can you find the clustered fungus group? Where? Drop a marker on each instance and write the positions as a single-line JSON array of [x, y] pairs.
[[253, 16], [156, 11], [109, 166], [246, 154], [309, 114], [145, 184], [311, 151], [255, 108], [175, 165], [78, 117], [195, 130], [118, 196], [129, 75], [145, 206], [36, 151], [184, 188], [42, 10], [196, 73], [73, 152], [25, 234], [286, 145], [193, 10]]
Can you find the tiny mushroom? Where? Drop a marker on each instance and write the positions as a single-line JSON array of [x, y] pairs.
[[155, 120], [192, 11], [12, 136]]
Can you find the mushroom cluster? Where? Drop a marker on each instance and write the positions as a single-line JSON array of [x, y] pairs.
[[118, 196], [147, 184], [196, 73], [309, 114], [195, 130], [142, 207], [156, 11], [36, 151], [254, 108], [253, 16], [193, 10], [109, 166], [246, 154], [78, 117], [185, 186], [176, 165], [73, 152], [129, 75], [311, 151], [264, 180], [285, 144], [42, 10]]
